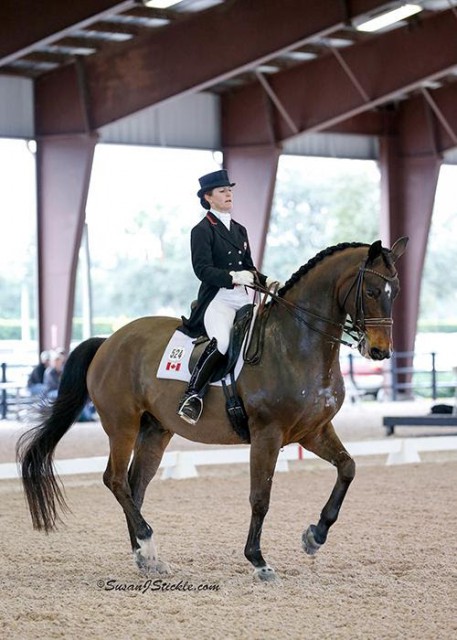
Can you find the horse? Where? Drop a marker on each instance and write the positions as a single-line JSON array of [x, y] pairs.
[[290, 396]]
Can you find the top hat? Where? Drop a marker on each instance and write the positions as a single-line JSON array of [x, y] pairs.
[[212, 180]]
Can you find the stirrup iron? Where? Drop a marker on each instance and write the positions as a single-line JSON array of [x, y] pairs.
[[191, 408]]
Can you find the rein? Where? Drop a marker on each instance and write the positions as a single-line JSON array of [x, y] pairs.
[[259, 323], [295, 310], [355, 329]]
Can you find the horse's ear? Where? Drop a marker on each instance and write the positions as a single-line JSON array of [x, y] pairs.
[[374, 251], [398, 248]]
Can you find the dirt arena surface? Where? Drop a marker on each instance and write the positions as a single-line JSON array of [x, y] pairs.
[[387, 571]]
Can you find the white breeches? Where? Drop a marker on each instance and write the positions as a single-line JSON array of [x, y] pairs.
[[220, 314]]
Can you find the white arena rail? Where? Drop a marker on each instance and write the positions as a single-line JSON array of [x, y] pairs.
[[183, 464]]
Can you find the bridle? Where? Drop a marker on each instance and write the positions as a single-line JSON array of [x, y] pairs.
[[356, 328], [361, 322]]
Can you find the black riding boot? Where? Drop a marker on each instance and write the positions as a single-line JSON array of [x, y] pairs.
[[191, 405]]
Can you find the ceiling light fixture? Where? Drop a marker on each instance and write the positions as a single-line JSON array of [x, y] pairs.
[[160, 4], [389, 17]]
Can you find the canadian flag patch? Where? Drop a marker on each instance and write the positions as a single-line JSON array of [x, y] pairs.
[[173, 366]]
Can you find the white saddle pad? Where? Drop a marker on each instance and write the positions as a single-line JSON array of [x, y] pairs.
[[175, 360]]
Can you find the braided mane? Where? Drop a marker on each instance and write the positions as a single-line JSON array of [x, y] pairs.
[[317, 258]]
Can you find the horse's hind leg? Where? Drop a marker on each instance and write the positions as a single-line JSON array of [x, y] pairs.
[[122, 441], [150, 445], [326, 444], [264, 454]]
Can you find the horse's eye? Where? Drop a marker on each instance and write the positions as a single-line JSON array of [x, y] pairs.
[[373, 293]]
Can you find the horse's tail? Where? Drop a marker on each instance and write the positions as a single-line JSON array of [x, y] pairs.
[[35, 448]]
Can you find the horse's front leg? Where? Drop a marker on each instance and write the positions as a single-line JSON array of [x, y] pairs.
[[326, 444], [264, 454]]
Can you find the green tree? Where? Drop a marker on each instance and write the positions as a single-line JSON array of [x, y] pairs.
[[152, 270], [311, 212], [438, 301]]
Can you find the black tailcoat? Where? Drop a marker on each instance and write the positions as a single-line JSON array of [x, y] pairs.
[[215, 252]]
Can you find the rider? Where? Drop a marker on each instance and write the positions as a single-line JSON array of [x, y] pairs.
[[222, 261]]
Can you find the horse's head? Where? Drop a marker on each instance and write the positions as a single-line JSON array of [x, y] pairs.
[[369, 298]]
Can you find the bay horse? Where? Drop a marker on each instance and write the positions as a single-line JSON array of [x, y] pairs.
[[290, 396]]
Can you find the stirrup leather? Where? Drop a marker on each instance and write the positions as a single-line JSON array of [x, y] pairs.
[[191, 408]]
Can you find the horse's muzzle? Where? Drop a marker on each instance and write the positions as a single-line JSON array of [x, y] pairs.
[[376, 346], [380, 354]]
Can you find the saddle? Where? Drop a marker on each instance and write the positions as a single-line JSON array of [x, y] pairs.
[[238, 332], [234, 404]]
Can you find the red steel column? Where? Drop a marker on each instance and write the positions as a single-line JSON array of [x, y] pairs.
[[63, 171], [253, 168], [408, 186]]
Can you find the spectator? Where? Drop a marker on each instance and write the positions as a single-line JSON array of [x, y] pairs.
[[52, 380], [35, 382], [52, 375]]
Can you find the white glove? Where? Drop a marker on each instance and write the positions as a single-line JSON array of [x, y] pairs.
[[271, 281], [242, 278]]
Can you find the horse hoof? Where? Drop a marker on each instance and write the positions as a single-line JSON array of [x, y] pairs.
[[310, 545], [265, 574], [162, 568], [151, 567]]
